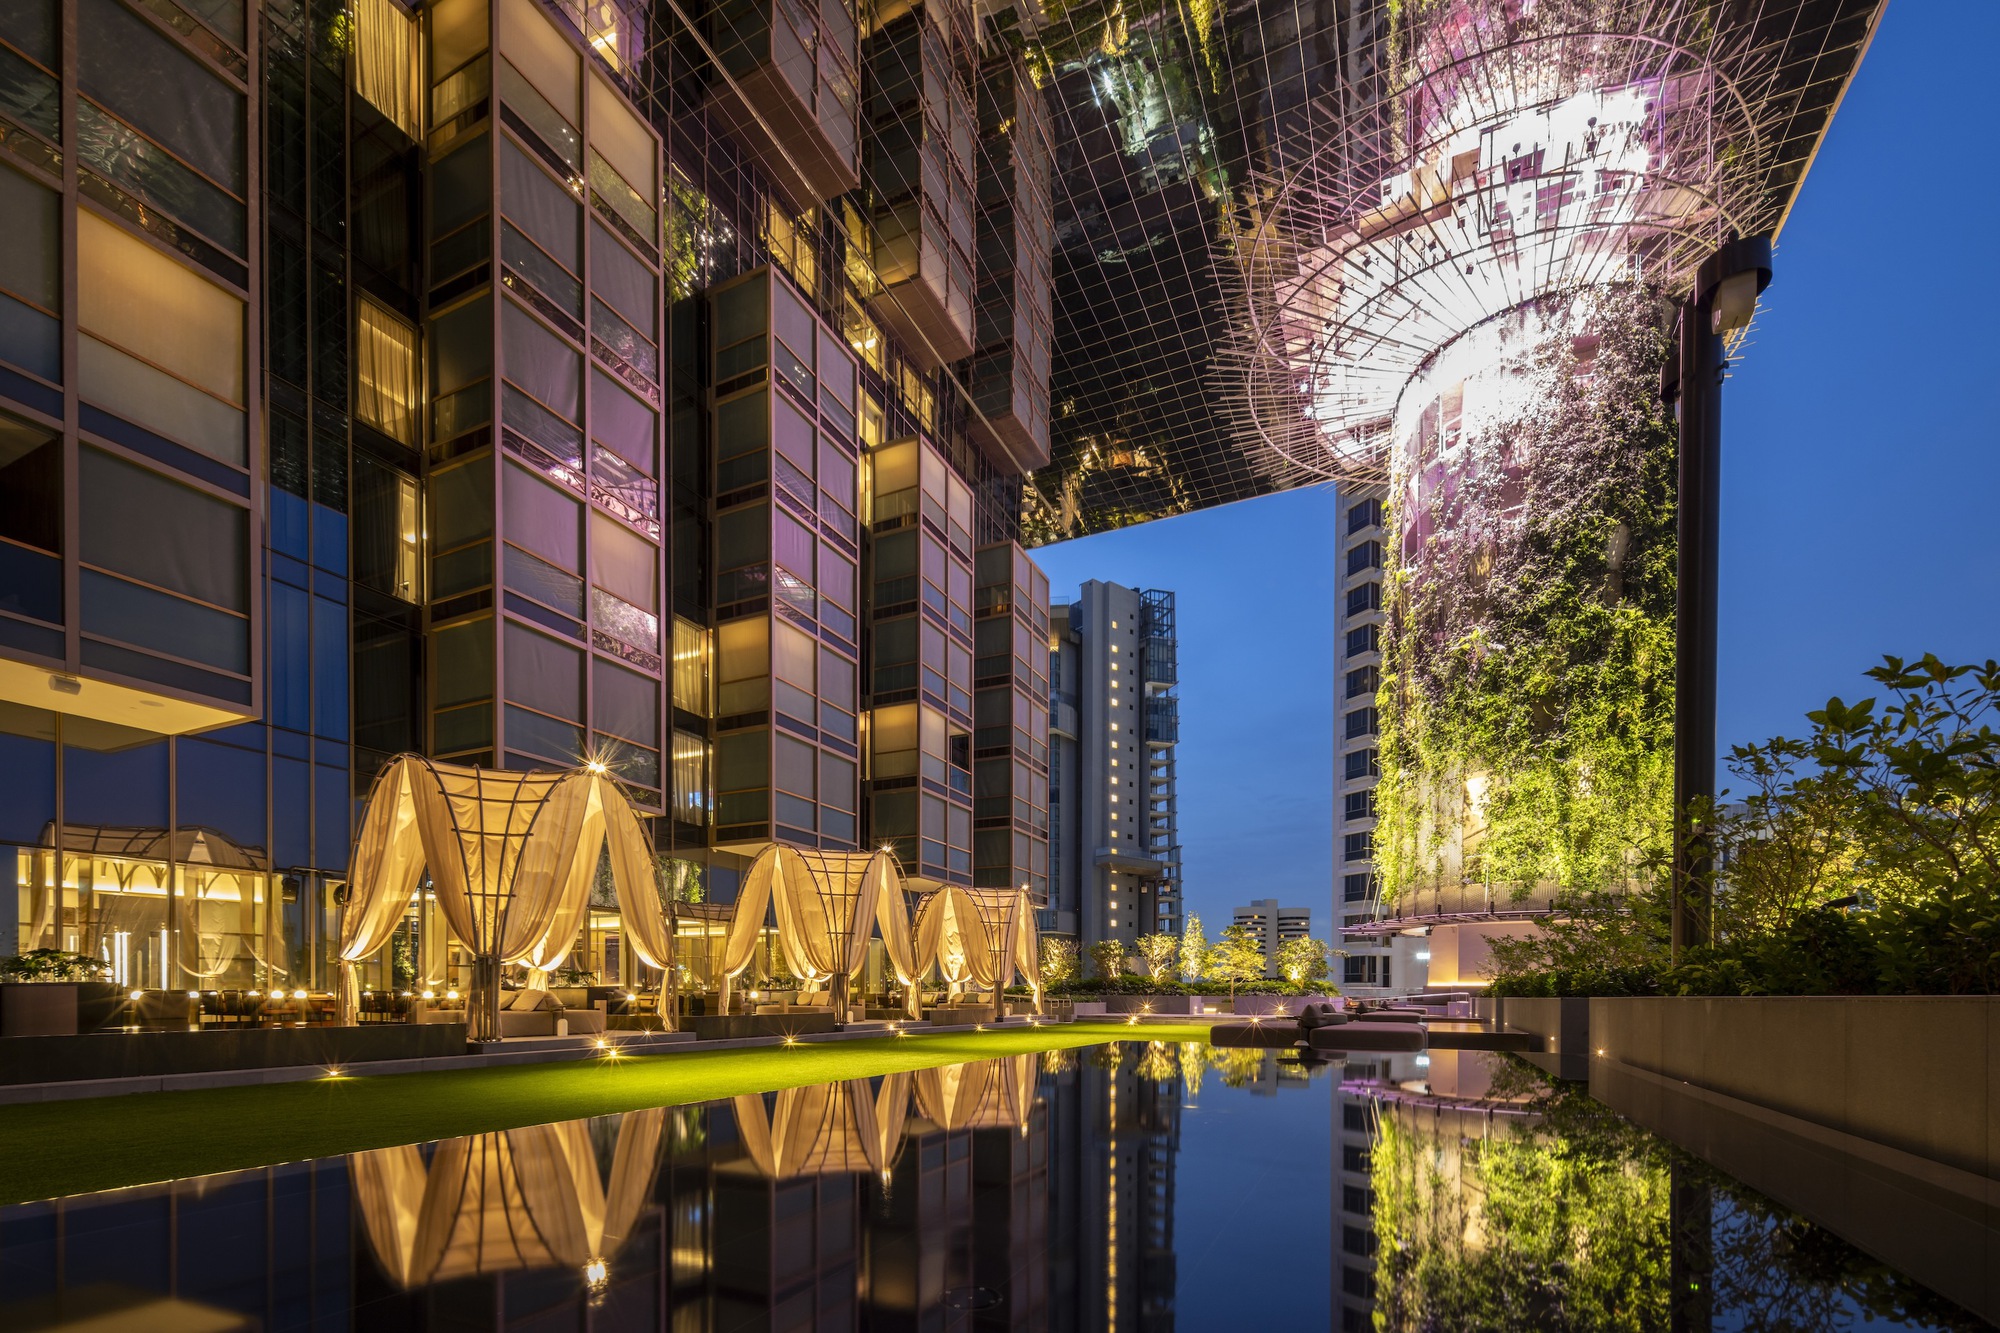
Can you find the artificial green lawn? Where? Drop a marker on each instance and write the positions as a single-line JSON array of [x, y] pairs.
[[55, 1148]]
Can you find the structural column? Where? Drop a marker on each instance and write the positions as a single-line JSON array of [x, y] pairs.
[[1723, 300]]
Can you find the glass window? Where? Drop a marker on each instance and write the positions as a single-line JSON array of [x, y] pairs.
[[115, 609], [30, 262], [464, 657], [461, 188], [690, 793], [691, 651], [743, 759], [541, 363], [137, 522], [531, 41], [462, 345], [385, 368], [543, 581], [542, 519], [543, 673], [797, 766], [743, 666], [462, 504], [614, 130], [622, 423], [626, 284], [132, 69], [31, 511], [543, 737], [626, 704], [549, 214], [133, 299], [387, 527], [384, 56], [793, 655], [624, 563]]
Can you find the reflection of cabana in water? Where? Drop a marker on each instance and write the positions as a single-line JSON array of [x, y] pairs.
[[494, 1203], [982, 1094], [511, 858], [826, 1129], [827, 905]]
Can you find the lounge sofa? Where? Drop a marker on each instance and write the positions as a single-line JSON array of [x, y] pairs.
[[534, 1013]]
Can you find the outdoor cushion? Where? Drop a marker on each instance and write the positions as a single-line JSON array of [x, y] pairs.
[[1321, 1015], [1361, 1036], [528, 1001], [1279, 1034]]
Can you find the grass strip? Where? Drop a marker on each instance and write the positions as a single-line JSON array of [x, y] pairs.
[[49, 1149]]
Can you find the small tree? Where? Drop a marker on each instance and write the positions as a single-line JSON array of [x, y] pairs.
[[1194, 950], [1236, 957], [1059, 961], [1159, 951], [1108, 957], [1302, 961]]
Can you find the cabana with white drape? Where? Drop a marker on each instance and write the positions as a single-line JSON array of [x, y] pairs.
[[519, 1199], [511, 858], [980, 937], [827, 906]]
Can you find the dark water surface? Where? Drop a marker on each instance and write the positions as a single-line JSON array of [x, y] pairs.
[[1140, 1186]]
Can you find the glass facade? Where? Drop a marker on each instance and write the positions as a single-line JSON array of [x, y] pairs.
[[508, 382]]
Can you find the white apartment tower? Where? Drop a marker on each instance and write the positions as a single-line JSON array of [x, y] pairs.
[[1369, 966], [1272, 925], [1114, 844]]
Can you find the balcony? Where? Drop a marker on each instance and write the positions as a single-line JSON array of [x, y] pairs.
[[1163, 721], [1015, 322], [793, 102], [919, 144]]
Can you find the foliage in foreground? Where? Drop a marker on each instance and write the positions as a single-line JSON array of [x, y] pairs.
[[1864, 860], [53, 965]]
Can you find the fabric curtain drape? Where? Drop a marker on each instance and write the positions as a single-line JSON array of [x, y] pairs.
[[386, 394], [386, 68], [949, 933], [511, 856], [827, 905], [387, 866]]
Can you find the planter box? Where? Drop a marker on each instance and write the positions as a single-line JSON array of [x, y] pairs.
[[57, 1008], [98, 1055], [714, 1027], [1272, 1004], [1878, 1117]]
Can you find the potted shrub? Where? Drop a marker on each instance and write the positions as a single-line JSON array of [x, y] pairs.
[[55, 993]]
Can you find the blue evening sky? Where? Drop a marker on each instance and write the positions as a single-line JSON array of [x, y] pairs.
[[1861, 475]]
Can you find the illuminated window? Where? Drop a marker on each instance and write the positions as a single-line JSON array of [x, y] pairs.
[[386, 68], [690, 794], [385, 371], [691, 652]]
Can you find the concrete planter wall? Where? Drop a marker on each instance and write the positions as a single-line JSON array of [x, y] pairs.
[[1915, 1072], [1877, 1117], [1271, 1004], [1166, 1004], [57, 1008], [1561, 1026]]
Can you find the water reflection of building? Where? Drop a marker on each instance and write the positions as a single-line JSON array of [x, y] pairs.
[[1112, 1147], [999, 1195]]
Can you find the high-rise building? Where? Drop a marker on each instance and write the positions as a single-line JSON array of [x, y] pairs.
[[1114, 839], [1371, 964], [520, 384], [1271, 925]]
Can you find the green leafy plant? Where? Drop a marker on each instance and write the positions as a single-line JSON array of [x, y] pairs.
[[1194, 949], [1107, 958], [1159, 951], [1865, 859], [1059, 961], [1526, 698], [53, 965], [1303, 961], [1237, 957]]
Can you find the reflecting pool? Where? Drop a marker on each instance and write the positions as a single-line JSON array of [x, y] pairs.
[[1136, 1186]]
